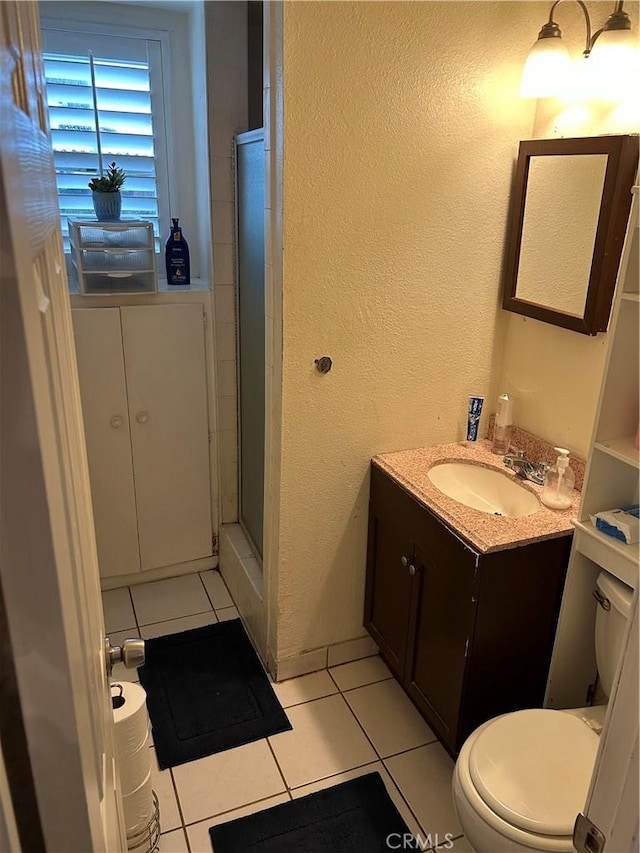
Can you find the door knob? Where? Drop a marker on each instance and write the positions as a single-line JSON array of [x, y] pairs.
[[116, 422], [130, 653], [412, 569], [142, 417], [404, 561]]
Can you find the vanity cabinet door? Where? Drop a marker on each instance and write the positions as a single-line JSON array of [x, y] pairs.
[[390, 587], [444, 625]]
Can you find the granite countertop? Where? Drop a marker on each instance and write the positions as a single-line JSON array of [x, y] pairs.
[[485, 532]]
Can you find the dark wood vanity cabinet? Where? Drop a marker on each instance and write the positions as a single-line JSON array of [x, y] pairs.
[[468, 635]]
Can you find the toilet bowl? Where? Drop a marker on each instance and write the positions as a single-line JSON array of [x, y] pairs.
[[521, 779]]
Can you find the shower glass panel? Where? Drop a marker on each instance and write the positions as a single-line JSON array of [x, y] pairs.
[[251, 330]]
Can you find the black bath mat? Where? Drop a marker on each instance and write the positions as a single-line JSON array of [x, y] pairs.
[[206, 692], [353, 817]]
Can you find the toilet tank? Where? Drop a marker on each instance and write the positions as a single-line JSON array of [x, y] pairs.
[[611, 622]]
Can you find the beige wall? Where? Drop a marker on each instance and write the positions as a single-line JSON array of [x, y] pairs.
[[553, 374], [401, 126]]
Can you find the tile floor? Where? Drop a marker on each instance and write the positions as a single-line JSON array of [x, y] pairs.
[[347, 720]]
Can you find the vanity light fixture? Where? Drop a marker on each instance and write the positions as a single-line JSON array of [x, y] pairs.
[[611, 53]]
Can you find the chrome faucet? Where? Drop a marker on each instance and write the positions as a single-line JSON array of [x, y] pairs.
[[524, 468]]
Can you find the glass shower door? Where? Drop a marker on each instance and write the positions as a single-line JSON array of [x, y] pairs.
[[251, 330]]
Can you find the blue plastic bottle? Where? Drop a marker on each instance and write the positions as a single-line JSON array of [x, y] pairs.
[[176, 257]]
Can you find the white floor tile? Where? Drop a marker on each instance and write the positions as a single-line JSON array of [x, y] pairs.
[[169, 599], [388, 717], [325, 740], [360, 672], [378, 767], [174, 842], [227, 613], [120, 672], [118, 612], [227, 780], [174, 626], [198, 833], [163, 786], [216, 589], [304, 689], [424, 777]]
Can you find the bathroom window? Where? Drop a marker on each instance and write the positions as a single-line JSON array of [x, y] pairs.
[[106, 100]]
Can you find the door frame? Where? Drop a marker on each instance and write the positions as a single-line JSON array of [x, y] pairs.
[[56, 720]]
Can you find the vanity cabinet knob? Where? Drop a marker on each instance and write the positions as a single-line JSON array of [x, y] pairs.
[[404, 561], [412, 569], [116, 421], [142, 417]]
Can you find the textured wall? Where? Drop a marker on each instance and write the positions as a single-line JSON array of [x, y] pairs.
[[401, 126]]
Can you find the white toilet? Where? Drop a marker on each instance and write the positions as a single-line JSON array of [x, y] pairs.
[[521, 779]]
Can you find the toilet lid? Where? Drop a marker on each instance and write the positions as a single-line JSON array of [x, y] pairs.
[[533, 769]]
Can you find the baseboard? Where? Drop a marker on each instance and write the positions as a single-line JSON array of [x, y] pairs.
[[321, 658], [160, 574]]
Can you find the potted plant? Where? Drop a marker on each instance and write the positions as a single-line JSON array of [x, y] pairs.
[[107, 201]]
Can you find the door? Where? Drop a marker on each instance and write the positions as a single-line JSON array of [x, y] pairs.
[[251, 330], [164, 358], [106, 421], [57, 732], [446, 569], [389, 588]]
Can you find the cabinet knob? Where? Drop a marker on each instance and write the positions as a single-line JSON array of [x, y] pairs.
[[142, 417], [412, 569], [116, 421], [404, 561]]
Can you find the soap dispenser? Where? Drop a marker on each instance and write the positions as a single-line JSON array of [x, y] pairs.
[[558, 482]]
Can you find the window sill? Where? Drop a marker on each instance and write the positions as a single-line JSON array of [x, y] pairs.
[[198, 285]]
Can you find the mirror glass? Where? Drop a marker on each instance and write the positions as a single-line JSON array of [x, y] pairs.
[[559, 230], [568, 215]]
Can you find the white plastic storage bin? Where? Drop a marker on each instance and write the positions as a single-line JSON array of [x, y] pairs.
[[113, 257]]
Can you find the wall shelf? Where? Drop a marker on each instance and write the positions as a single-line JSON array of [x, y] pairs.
[[621, 448], [609, 553], [611, 480]]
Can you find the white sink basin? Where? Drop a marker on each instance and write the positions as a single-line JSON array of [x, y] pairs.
[[483, 488]]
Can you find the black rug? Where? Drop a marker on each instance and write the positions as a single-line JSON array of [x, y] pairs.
[[355, 817], [206, 692]]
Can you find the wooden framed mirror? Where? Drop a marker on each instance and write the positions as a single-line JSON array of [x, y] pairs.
[[568, 216]]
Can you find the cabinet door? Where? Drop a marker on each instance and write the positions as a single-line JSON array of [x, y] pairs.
[[165, 367], [106, 425], [389, 582], [444, 626]]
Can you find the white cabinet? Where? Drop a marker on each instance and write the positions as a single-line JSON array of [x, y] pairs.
[[144, 398], [611, 481]]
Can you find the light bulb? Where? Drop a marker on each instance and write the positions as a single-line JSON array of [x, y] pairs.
[[614, 66], [547, 71]]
